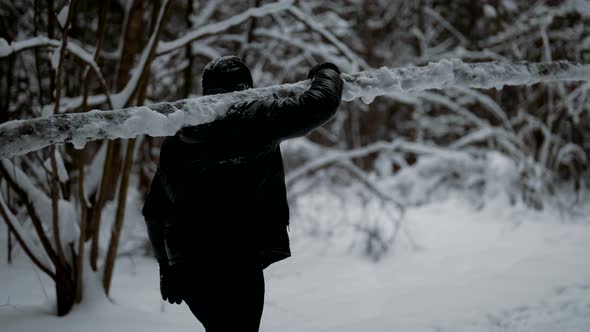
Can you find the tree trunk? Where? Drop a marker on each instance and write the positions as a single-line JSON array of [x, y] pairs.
[[131, 47], [119, 218], [65, 290], [9, 244]]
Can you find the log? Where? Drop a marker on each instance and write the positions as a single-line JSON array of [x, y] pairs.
[[165, 119]]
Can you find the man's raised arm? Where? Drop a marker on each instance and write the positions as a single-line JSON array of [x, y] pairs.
[[278, 119]]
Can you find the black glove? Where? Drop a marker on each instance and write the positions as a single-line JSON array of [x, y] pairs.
[[163, 282], [324, 65], [172, 282]]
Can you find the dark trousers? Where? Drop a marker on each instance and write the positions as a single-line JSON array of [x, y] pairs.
[[227, 298]]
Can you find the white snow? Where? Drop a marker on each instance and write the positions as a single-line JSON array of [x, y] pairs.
[[582, 7], [455, 73], [489, 11], [499, 269], [34, 42], [5, 48], [54, 60], [205, 50], [94, 170], [16, 46], [63, 15], [62, 173], [140, 120], [509, 5], [88, 58], [503, 172], [67, 103]]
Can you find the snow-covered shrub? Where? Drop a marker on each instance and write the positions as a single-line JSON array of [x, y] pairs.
[[348, 216], [478, 176]]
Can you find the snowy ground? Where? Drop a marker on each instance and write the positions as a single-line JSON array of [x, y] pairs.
[[500, 269]]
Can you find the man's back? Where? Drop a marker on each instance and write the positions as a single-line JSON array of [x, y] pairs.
[[224, 196], [221, 184], [217, 211]]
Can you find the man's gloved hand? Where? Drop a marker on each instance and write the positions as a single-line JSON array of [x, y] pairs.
[[324, 65], [172, 282], [163, 280]]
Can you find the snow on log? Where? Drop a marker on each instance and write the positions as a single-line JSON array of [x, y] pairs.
[[455, 73], [164, 119]]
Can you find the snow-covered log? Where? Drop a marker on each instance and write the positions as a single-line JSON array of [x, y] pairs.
[[164, 119]]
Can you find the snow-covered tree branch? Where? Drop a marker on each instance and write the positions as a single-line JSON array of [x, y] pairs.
[[7, 49], [217, 27], [164, 119]]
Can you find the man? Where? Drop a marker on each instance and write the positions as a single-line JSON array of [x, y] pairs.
[[217, 211]]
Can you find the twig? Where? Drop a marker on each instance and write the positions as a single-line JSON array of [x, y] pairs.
[[217, 27], [11, 223], [35, 219], [54, 176]]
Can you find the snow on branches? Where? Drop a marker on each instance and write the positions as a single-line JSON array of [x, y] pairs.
[[165, 119]]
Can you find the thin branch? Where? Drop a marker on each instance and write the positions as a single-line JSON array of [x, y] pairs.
[[249, 38], [105, 182], [15, 229], [72, 49], [370, 184], [336, 155], [124, 97], [119, 218], [446, 24], [217, 27], [54, 178], [35, 42], [313, 25], [23, 190], [84, 220]]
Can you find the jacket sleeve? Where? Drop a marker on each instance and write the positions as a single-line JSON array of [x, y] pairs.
[[156, 210], [274, 120]]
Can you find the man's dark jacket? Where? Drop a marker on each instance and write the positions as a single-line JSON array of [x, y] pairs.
[[219, 191]]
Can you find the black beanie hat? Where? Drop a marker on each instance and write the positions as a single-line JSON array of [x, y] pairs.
[[226, 74]]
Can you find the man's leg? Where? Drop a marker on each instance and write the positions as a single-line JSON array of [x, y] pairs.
[[228, 298]]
